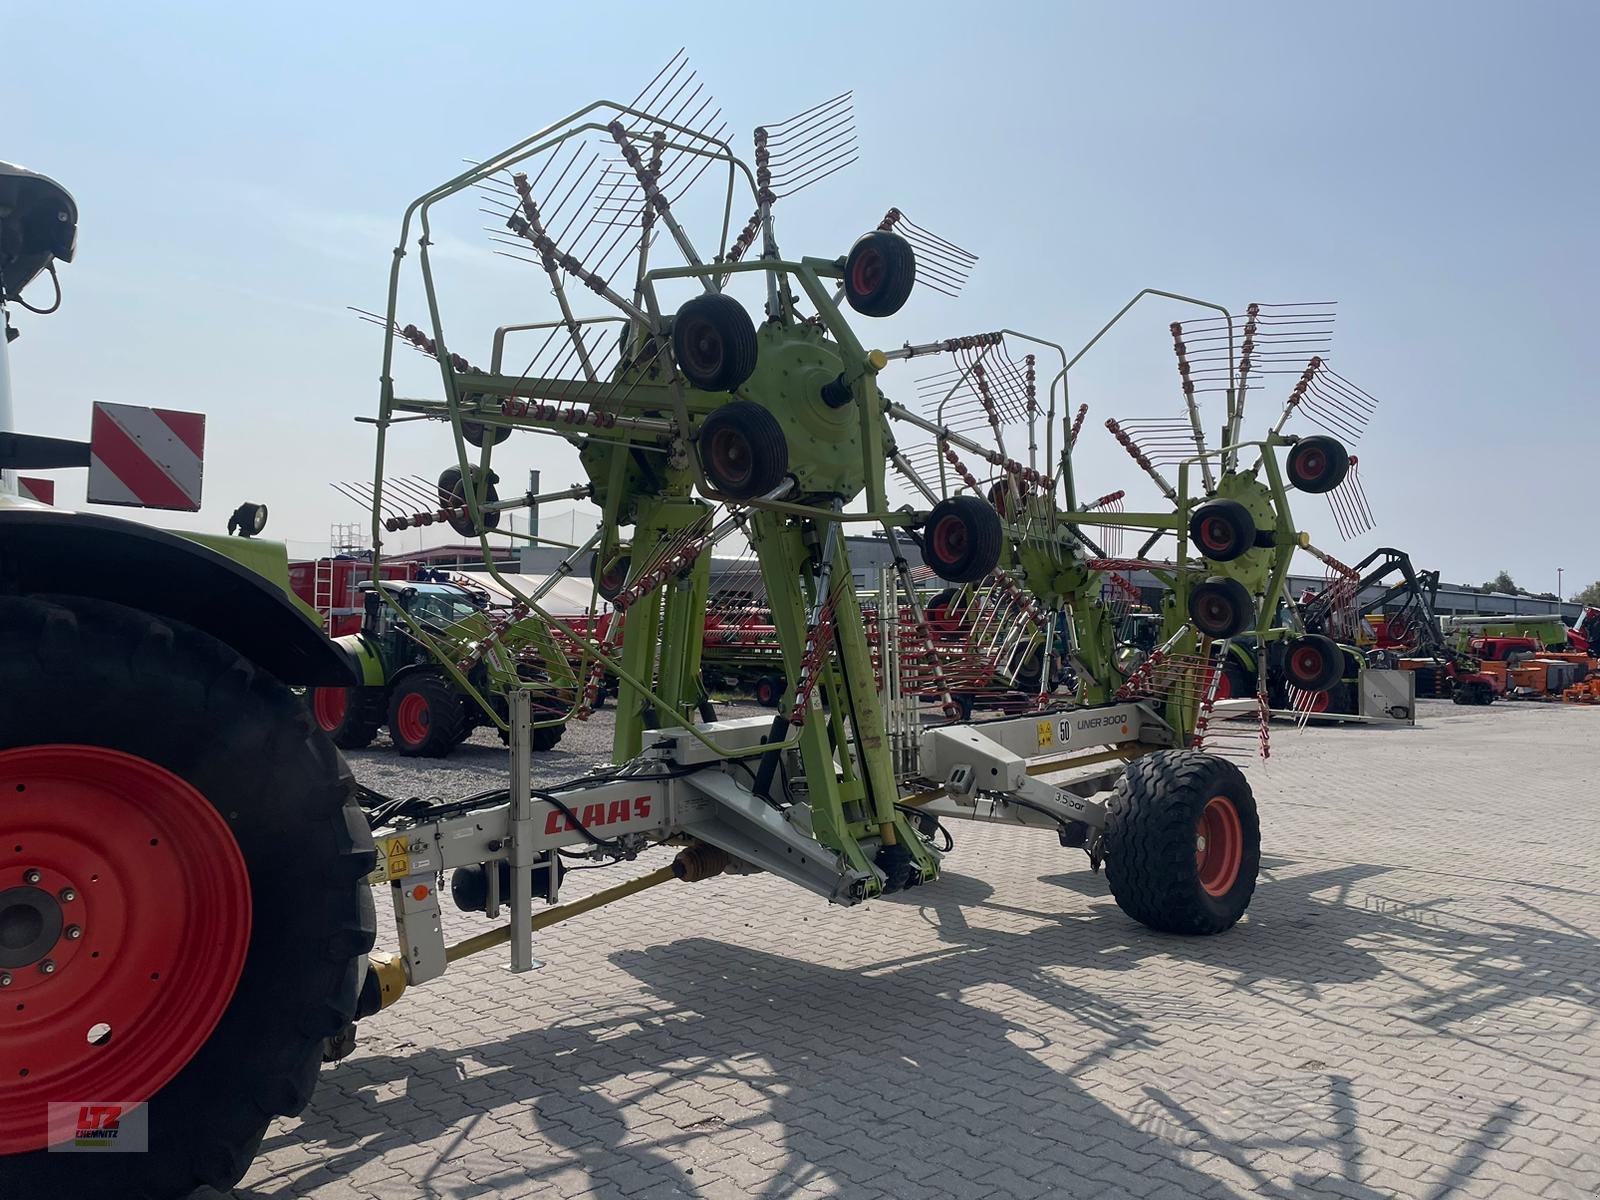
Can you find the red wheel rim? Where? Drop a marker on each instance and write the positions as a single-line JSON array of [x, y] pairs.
[[731, 457], [703, 348], [950, 540], [1215, 613], [1311, 466], [866, 273], [1320, 701], [1218, 846], [329, 705], [1216, 534], [1224, 686], [413, 717], [154, 924], [1305, 665]]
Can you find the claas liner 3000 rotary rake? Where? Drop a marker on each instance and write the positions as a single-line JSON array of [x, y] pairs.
[[695, 424]]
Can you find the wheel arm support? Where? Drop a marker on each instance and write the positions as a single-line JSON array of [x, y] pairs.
[[973, 765]]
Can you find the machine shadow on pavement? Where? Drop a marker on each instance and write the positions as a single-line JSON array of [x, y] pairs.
[[898, 1047]]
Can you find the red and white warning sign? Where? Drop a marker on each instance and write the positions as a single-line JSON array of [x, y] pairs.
[[146, 457], [42, 491]]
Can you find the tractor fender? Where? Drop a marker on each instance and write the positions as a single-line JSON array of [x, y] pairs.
[[365, 659], [51, 552]]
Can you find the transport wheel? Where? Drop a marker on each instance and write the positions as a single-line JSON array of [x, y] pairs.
[[1183, 844], [1313, 663], [350, 717], [1317, 464], [879, 273], [769, 690], [1221, 607], [714, 341], [1222, 530], [183, 849], [962, 539], [453, 496], [610, 582], [425, 716], [743, 450]]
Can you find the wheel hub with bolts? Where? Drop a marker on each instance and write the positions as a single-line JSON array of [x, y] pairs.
[[122, 934]]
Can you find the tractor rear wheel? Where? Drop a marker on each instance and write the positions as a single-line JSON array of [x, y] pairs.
[[546, 737], [351, 717], [1183, 844], [190, 861], [425, 715]]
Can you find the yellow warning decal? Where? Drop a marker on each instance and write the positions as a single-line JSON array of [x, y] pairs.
[[399, 861], [1047, 734]]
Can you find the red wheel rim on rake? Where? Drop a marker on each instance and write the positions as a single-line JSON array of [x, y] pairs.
[[1218, 846]]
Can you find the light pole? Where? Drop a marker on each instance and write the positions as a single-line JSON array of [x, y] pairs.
[[1559, 596]]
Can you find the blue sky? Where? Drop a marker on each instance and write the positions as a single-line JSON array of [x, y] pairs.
[[240, 175]]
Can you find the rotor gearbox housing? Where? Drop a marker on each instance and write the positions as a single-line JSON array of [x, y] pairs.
[[1254, 567], [795, 364]]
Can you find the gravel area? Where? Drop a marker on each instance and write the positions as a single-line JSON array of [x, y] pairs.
[[481, 762]]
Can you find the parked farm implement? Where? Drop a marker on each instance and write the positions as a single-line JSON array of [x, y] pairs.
[[147, 750]]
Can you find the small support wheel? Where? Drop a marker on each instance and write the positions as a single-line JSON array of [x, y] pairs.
[[1183, 843], [1317, 464], [1222, 530], [714, 342], [425, 716], [1313, 663], [453, 498], [769, 690], [478, 433], [743, 451], [962, 539], [611, 581], [1221, 607], [879, 273]]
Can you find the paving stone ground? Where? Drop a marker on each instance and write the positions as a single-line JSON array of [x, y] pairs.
[[1409, 1009]]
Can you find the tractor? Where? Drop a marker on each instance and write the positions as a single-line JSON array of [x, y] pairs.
[[164, 793], [404, 686]]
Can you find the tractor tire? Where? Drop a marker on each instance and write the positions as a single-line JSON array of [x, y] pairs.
[[962, 539], [425, 715], [743, 451], [201, 820], [546, 737], [351, 717], [769, 691], [1183, 842], [714, 342], [1236, 682], [879, 273]]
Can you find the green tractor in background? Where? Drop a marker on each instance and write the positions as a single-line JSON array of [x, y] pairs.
[[405, 686]]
